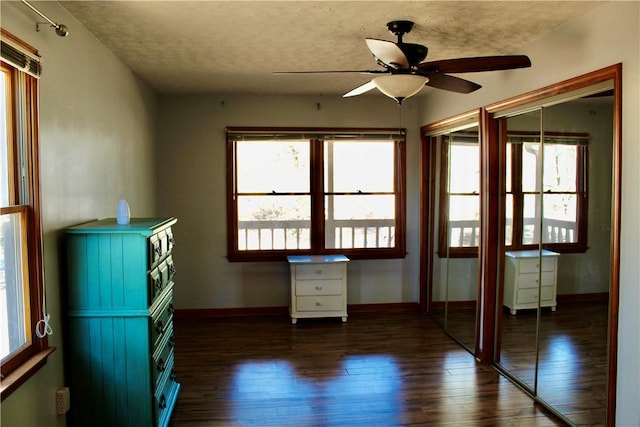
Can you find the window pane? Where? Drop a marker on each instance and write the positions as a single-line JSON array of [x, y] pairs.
[[14, 300], [508, 224], [531, 219], [560, 218], [530, 169], [359, 221], [508, 166], [272, 166], [274, 222], [464, 164], [464, 221], [359, 166], [560, 167]]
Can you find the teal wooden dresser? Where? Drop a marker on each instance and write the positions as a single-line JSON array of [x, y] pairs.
[[120, 314]]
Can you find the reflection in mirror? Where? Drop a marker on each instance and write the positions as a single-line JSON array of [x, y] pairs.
[[518, 345], [572, 365], [558, 231], [456, 219]]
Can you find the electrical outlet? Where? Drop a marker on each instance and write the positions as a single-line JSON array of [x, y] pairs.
[[63, 400]]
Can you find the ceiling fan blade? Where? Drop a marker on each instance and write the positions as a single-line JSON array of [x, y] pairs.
[[334, 71], [451, 83], [476, 64], [360, 90], [388, 53]]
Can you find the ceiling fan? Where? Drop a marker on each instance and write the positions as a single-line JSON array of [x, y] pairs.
[[405, 73]]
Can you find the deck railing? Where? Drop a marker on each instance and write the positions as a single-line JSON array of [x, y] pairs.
[[467, 233], [296, 234]]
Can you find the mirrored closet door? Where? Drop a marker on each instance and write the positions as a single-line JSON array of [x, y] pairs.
[[454, 213], [558, 193]]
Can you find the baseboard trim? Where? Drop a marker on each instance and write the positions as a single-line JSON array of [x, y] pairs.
[[592, 297], [439, 305], [194, 313]]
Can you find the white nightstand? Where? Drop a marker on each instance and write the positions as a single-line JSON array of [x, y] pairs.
[[521, 279], [318, 286]]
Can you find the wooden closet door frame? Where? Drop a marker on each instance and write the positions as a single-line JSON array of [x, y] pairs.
[[540, 97], [492, 210]]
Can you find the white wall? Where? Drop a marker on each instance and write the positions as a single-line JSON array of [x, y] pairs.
[[96, 146], [603, 37], [191, 182]]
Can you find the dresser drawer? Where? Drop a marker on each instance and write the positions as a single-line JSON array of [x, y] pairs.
[[164, 398], [163, 356], [159, 246], [319, 287], [162, 320], [530, 280], [319, 271], [320, 303], [530, 296], [530, 265]]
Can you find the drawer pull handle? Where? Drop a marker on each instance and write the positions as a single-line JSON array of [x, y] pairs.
[[157, 249], [163, 402], [318, 271], [158, 284], [172, 376], [159, 327], [170, 309], [161, 365], [318, 288], [318, 304], [172, 341]]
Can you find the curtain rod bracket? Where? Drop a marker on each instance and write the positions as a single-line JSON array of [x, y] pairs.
[[61, 29]]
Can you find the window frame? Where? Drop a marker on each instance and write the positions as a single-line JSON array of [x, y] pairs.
[[444, 250], [23, 144], [582, 198], [318, 194], [582, 193]]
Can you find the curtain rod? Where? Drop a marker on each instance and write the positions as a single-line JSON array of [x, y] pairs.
[[61, 29]]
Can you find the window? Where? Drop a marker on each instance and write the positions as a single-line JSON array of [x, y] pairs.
[[460, 194], [23, 335], [547, 180], [315, 191]]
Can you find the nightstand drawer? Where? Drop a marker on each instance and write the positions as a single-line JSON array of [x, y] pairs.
[[530, 265], [320, 303], [530, 296], [319, 271], [530, 280], [319, 287]]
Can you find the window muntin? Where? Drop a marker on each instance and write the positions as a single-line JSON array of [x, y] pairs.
[[327, 192]]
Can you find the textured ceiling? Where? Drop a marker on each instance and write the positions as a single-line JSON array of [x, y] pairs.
[[235, 46]]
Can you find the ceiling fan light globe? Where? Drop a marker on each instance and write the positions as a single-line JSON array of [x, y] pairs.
[[400, 86]]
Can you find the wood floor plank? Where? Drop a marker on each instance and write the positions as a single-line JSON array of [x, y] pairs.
[[378, 369]]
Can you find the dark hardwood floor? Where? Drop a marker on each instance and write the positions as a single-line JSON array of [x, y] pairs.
[[572, 374], [378, 369]]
